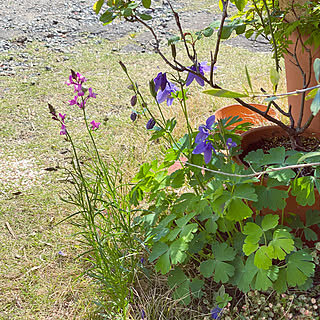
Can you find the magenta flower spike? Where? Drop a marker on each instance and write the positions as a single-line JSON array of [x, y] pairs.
[[95, 125], [92, 94], [73, 101], [62, 117], [63, 130]]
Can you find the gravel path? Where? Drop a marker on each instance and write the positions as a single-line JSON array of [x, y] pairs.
[[60, 24]]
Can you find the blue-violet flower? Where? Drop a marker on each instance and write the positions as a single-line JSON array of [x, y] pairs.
[[230, 143], [201, 68], [204, 129], [206, 148], [166, 93], [216, 313]]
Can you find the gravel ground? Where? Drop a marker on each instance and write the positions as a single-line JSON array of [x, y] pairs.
[[60, 24]]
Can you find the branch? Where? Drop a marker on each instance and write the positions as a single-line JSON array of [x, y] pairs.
[[257, 174]]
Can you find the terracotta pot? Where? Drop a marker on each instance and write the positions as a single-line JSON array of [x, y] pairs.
[[244, 113], [253, 137], [295, 79]]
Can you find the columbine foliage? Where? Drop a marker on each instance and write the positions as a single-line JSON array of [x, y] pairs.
[[206, 219]]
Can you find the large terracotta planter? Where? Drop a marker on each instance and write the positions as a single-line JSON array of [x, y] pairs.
[[253, 137], [295, 80], [244, 113]]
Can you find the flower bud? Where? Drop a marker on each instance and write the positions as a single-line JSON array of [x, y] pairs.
[[133, 116], [124, 68], [133, 100], [150, 124], [173, 51], [152, 88]]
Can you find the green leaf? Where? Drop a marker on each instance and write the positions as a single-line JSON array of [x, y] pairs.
[[183, 293], [173, 40], [97, 6], [264, 278], [280, 285], [309, 155], [207, 268], [274, 77], [127, 12], [245, 191], [249, 248], [225, 93], [303, 189], [300, 268], [253, 232], [176, 277], [158, 249], [312, 217], [248, 273], [237, 210], [208, 32], [163, 264], [223, 252], [310, 235], [178, 281], [222, 270], [196, 286], [211, 226], [270, 221], [315, 105], [106, 17], [240, 4], [185, 219], [177, 251], [187, 231], [282, 244], [146, 3], [316, 68], [248, 79], [177, 179], [263, 258], [145, 16], [271, 198]]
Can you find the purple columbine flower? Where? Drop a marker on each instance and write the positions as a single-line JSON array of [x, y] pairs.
[[206, 148], [63, 130], [204, 129], [95, 125], [160, 81], [202, 68], [143, 314], [230, 143], [216, 313], [166, 94], [142, 260], [150, 124], [133, 116], [92, 94]]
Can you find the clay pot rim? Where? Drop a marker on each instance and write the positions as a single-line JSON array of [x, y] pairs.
[[273, 129]]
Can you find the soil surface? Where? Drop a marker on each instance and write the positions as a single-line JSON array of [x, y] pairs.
[[59, 24]]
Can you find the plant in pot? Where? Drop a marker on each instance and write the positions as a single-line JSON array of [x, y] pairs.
[[206, 213]]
